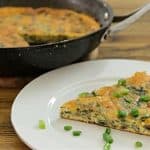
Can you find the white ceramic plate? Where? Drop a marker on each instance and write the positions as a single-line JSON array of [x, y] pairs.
[[42, 98]]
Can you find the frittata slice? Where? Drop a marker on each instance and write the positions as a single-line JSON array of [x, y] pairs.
[[124, 106]]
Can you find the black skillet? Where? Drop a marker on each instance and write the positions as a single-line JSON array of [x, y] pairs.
[[41, 58]]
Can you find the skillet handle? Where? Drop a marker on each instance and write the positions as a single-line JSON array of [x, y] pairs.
[[125, 21]]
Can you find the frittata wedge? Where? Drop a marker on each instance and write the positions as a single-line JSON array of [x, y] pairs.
[[124, 106]]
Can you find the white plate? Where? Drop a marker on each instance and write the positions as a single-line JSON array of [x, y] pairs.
[[42, 98]]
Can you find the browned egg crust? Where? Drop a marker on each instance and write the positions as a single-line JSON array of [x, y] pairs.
[[42, 25]]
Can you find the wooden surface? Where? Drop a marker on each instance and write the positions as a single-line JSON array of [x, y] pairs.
[[133, 42]]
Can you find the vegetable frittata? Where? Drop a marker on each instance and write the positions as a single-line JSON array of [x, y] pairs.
[[43, 25], [124, 106]]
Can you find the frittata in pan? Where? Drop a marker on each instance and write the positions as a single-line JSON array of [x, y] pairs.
[[42, 25], [124, 106]]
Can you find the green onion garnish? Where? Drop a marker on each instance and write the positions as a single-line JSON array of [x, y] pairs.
[[122, 91], [107, 146], [67, 128], [122, 82], [145, 98], [138, 144], [76, 133], [108, 130], [41, 124], [84, 94], [122, 114], [107, 138], [134, 112]]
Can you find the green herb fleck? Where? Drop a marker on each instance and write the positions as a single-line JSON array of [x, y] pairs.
[[122, 114], [122, 91], [67, 128], [76, 133], [134, 112], [84, 94], [122, 82], [145, 98], [41, 124], [107, 146], [128, 100], [138, 144]]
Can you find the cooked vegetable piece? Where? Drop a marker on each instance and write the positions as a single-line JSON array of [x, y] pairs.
[[85, 94], [135, 112], [138, 144], [107, 138], [121, 92], [42, 124], [76, 133], [122, 82], [67, 128], [145, 98], [107, 146], [122, 114]]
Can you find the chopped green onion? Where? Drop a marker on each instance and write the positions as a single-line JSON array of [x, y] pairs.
[[122, 114], [145, 98], [76, 133], [67, 128], [41, 124], [138, 144], [121, 92], [108, 130], [84, 94], [122, 82], [107, 146], [116, 94], [135, 112], [107, 138]]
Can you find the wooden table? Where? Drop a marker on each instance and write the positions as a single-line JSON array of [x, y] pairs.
[[133, 43]]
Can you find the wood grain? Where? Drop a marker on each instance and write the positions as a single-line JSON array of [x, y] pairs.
[[8, 138], [134, 42]]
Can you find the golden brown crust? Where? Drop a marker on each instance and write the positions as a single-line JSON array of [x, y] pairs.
[[44, 25], [9, 11]]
